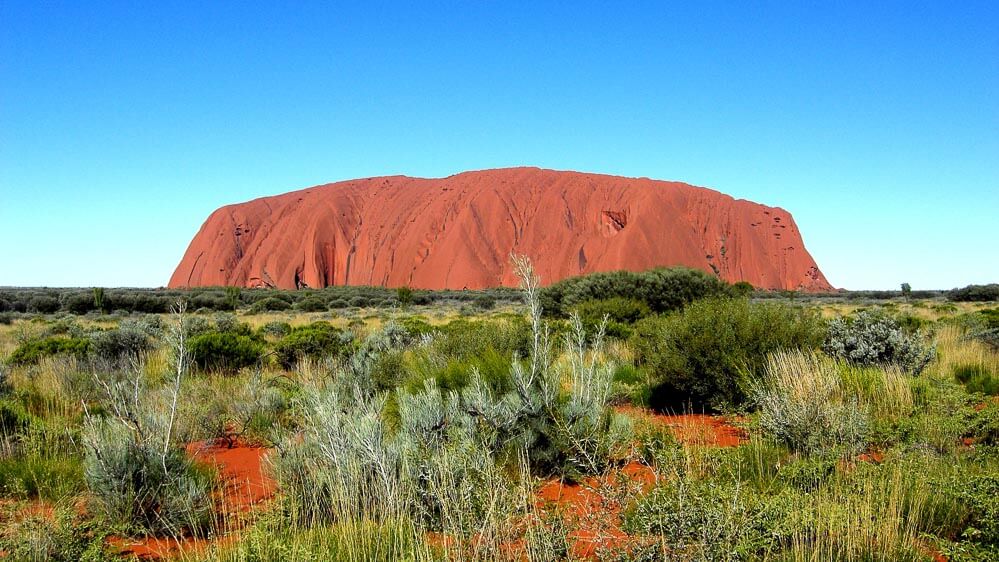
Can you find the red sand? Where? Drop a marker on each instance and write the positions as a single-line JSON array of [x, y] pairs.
[[696, 429], [593, 507], [873, 456], [458, 232], [153, 548], [241, 470]]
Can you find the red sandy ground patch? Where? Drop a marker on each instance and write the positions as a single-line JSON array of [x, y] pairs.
[[931, 551], [244, 484], [872, 456], [982, 405], [695, 429], [153, 548], [23, 510], [593, 507]]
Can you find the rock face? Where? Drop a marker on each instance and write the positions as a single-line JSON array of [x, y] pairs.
[[458, 232]]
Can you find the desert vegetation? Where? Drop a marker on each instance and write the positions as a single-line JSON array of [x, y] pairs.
[[655, 416]]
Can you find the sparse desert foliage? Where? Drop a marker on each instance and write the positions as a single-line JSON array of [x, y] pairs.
[[802, 429]]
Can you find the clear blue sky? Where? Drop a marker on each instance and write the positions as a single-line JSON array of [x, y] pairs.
[[123, 125]]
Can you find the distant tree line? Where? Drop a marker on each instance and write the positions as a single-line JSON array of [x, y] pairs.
[[658, 290], [222, 299]]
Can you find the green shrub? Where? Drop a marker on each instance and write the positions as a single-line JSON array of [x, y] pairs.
[[983, 326], [43, 305], [808, 473], [984, 424], [662, 290], [989, 338], [32, 351], [976, 377], [742, 289], [317, 340], [464, 347], [873, 338], [706, 354], [196, 325], [141, 486], [976, 494], [14, 417], [990, 317], [404, 295], [129, 339], [359, 301], [975, 293], [620, 313], [911, 324], [224, 351], [311, 304], [270, 304], [617, 309], [224, 411], [79, 304], [228, 322], [485, 302], [232, 297], [276, 328], [416, 325], [629, 385], [64, 327], [463, 339], [454, 374], [388, 369]]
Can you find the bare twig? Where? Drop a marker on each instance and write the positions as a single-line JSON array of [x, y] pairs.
[[178, 340]]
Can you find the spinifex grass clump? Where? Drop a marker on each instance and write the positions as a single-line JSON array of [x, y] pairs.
[[977, 377], [804, 404], [875, 517]]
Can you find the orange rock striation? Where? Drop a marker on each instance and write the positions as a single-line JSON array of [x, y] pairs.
[[458, 232]]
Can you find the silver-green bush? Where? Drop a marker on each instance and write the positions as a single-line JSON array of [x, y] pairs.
[[874, 338]]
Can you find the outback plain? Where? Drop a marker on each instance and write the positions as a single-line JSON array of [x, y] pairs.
[[662, 415]]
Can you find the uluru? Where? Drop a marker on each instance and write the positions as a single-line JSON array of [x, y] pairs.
[[458, 232]]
